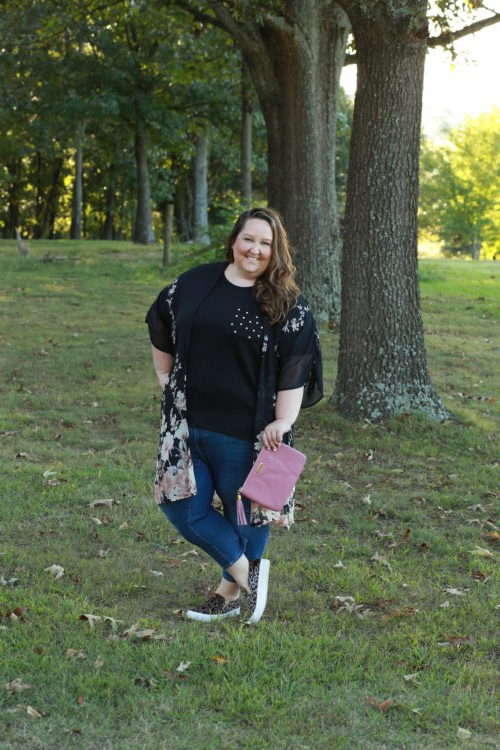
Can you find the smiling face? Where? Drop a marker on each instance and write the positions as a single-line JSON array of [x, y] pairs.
[[252, 249]]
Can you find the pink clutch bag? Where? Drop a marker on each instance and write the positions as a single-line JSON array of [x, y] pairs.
[[271, 479]]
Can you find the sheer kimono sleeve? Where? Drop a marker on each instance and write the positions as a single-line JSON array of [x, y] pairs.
[[299, 354], [159, 323]]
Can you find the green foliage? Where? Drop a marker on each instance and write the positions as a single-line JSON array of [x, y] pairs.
[[79, 399], [460, 187]]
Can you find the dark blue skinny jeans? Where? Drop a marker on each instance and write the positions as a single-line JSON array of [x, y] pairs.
[[221, 463]]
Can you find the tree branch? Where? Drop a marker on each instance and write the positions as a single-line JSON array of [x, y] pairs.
[[200, 15], [451, 36]]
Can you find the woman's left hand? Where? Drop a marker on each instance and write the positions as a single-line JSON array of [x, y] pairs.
[[272, 434]]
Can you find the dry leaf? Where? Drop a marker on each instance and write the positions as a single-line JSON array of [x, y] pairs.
[[455, 592], [55, 570], [219, 659], [463, 734], [190, 552], [157, 573], [183, 666], [103, 552], [445, 605], [411, 678], [366, 500], [97, 521], [80, 700], [33, 712], [17, 686], [381, 559], [148, 682], [91, 619], [123, 526], [108, 502], [8, 581], [74, 653], [381, 705], [481, 552], [98, 663], [339, 564]]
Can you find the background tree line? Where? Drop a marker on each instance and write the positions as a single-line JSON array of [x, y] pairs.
[[165, 76]]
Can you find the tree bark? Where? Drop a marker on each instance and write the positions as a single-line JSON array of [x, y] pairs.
[[168, 226], [295, 60], [48, 190], [182, 207], [246, 136], [109, 221], [201, 188], [143, 225], [77, 203], [382, 369], [14, 169]]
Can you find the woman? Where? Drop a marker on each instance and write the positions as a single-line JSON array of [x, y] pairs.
[[236, 353]]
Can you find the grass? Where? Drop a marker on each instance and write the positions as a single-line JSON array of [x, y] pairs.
[[400, 505]]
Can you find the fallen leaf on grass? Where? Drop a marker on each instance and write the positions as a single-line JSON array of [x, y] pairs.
[[381, 559], [457, 640], [91, 619], [174, 675], [80, 700], [463, 734], [401, 612], [219, 659], [183, 666], [411, 678], [14, 615], [383, 706], [190, 552], [103, 552], [123, 526], [8, 581], [481, 552], [339, 564], [98, 663], [34, 713], [17, 686], [445, 605], [403, 539], [157, 573], [97, 521], [75, 653], [108, 502], [366, 500], [55, 570], [456, 592]]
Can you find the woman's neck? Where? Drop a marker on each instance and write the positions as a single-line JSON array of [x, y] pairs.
[[232, 275]]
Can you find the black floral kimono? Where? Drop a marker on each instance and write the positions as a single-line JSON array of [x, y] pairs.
[[289, 350]]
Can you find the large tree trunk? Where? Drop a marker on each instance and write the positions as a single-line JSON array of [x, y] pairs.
[[201, 188], [295, 60], [246, 136], [143, 227], [382, 368], [77, 203]]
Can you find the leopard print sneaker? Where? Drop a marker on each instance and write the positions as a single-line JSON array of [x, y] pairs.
[[214, 608], [258, 580]]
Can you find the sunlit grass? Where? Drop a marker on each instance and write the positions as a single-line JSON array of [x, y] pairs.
[[401, 505]]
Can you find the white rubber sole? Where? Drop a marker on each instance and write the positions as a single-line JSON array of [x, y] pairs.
[[262, 587], [203, 617]]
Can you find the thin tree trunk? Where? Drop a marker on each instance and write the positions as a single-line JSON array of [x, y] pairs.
[[109, 221], [49, 185], [182, 203], [143, 229], [382, 367], [168, 226], [76, 215], [201, 188], [246, 136], [14, 169]]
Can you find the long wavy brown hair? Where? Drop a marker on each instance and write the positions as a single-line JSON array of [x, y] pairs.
[[276, 290]]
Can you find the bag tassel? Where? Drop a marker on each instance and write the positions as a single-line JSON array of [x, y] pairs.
[[240, 511]]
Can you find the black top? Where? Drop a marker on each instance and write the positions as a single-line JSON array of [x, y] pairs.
[[275, 358], [224, 360]]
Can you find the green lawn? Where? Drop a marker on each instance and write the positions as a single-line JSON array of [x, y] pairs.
[[402, 517]]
